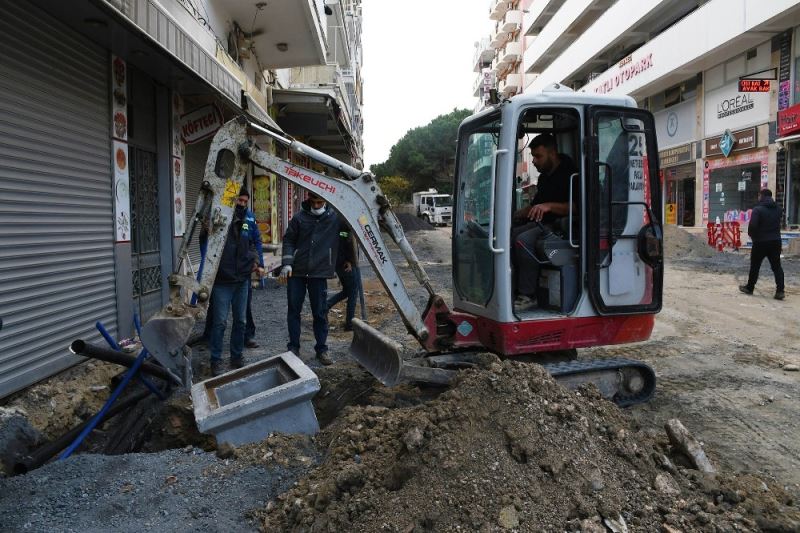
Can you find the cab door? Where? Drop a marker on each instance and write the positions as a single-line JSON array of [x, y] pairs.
[[474, 237], [623, 212]]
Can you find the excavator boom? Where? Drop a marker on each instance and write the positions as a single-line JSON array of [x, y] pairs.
[[359, 201]]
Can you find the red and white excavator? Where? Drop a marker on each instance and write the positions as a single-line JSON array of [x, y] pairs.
[[600, 281]]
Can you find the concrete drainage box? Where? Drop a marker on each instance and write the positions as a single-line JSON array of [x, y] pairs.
[[247, 404]]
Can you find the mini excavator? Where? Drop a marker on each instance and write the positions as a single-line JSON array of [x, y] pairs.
[[600, 279]]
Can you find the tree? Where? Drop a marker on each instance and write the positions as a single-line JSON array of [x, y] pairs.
[[425, 156], [396, 189]]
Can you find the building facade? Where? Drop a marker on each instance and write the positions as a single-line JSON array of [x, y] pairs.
[[682, 60], [107, 110]]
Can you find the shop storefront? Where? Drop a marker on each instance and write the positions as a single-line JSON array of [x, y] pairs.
[[736, 155], [734, 171], [789, 133], [675, 128], [678, 170]]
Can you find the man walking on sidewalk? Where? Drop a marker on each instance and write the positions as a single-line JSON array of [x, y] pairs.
[[765, 232]]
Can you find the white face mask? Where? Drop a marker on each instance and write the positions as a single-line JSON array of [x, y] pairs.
[[319, 211]]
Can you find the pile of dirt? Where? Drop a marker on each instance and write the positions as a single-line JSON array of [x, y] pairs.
[[57, 405], [412, 223], [680, 244], [509, 448]]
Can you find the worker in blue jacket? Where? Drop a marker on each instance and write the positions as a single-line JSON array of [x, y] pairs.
[[241, 255]]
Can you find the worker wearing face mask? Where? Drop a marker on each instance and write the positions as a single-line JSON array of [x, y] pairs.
[[240, 257], [308, 260]]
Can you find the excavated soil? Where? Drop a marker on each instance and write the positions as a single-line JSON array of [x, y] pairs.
[[412, 223], [505, 448], [508, 448]]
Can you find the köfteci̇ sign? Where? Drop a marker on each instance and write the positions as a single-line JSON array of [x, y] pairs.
[[201, 123]]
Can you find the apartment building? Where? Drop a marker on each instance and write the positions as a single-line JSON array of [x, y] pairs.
[[683, 59], [108, 108]]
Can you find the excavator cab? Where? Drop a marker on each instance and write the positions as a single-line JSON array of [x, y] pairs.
[[600, 266]]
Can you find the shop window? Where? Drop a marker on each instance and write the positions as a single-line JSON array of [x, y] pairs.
[[733, 192], [793, 189]]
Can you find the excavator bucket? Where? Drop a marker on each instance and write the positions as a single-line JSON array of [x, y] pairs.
[[164, 336], [378, 354]]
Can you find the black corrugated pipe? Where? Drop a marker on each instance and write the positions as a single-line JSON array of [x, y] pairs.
[[43, 454], [85, 349]]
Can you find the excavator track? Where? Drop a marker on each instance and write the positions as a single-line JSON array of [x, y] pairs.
[[626, 382]]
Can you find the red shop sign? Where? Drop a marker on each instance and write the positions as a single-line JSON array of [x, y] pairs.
[[789, 120]]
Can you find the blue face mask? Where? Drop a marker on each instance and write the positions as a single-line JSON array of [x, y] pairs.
[[319, 210]]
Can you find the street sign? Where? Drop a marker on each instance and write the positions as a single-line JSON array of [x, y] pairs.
[[754, 86]]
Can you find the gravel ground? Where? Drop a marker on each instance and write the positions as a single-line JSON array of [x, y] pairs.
[[176, 490]]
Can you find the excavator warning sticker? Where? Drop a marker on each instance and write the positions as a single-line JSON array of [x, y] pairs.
[[370, 237], [231, 193], [464, 329]]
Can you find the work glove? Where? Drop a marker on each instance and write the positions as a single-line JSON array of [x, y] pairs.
[[286, 273]]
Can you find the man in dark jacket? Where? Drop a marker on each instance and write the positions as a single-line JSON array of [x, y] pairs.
[[531, 223], [348, 274], [309, 252], [239, 259], [765, 232]]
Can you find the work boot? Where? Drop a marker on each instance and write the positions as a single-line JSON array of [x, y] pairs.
[[779, 295], [237, 363], [295, 351], [250, 343], [745, 289], [324, 358], [217, 368]]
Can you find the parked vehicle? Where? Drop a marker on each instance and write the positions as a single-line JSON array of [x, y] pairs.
[[434, 208]]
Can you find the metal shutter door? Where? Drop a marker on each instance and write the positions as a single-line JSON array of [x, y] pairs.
[[196, 156], [56, 232]]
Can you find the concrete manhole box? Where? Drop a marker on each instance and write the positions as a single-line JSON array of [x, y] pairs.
[[247, 404]]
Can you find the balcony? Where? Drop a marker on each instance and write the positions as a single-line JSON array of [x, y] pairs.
[[511, 53], [498, 9], [512, 21], [539, 15], [511, 85], [499, 39], [284, 33], [484, 54]]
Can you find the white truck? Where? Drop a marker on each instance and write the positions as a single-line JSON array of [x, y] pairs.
[[434, 208]]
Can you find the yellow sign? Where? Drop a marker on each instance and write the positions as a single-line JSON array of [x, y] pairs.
[[231, 192], [671, 211]]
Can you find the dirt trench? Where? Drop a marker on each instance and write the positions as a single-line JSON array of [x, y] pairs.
[[506, 448]]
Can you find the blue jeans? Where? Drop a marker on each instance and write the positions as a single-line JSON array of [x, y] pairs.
[[250, 329], [226, 296], [317, 288], [349, 290]]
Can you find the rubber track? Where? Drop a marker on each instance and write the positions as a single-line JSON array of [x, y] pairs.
[[569, 368]]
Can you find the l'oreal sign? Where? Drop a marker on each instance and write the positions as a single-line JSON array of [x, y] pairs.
[[200, 124]]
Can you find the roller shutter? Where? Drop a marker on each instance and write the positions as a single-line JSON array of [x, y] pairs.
[[56, 232], [196, 156]]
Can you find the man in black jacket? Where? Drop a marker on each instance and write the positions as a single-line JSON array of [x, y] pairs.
[[765, 232], [531, 223], [238, 260], [348, 274], [309, 252]]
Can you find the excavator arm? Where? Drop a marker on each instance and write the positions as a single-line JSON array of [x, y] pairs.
[[357, 198]]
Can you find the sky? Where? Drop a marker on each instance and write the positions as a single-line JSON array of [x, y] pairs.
[[418, 64]]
